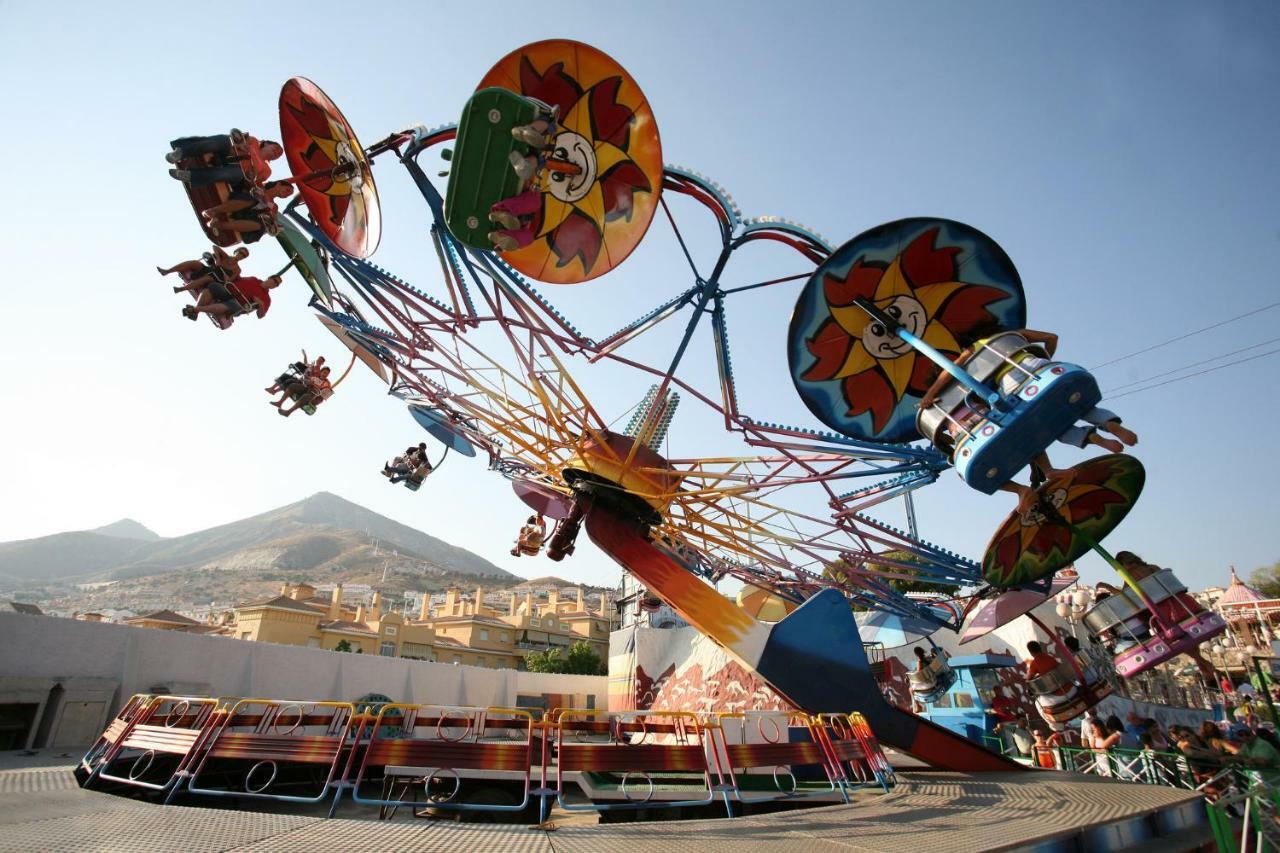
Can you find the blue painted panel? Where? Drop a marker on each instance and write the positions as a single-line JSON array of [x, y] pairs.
[[437, 424], [998, 451]]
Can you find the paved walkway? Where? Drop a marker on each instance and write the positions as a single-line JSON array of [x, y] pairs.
[[42, 809]]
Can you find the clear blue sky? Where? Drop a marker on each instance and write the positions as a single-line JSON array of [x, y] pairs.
[[1123, 154]]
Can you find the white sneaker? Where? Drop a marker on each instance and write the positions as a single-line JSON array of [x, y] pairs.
[[522, 165]]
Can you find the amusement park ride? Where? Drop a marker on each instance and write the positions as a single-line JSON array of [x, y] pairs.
[[555, 175]]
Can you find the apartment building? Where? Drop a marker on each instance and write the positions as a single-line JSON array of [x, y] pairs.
[[463, 630]]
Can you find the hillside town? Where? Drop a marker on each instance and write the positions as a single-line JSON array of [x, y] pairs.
[[496, 629]]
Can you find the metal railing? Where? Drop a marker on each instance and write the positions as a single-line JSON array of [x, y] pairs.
[[1171, 769], [1216, 778], [1246, 821]]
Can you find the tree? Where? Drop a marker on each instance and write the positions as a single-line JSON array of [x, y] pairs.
[[343, 646], [580, 661], [1266, 580], [838, 572]]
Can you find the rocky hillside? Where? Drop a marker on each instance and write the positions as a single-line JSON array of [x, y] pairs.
[[323, 534]]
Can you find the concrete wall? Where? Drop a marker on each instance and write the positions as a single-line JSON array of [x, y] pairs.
[[140, 659]]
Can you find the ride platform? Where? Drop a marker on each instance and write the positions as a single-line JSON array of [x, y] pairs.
[[43, 809]]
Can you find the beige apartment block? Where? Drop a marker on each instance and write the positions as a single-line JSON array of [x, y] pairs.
[[462, 630]]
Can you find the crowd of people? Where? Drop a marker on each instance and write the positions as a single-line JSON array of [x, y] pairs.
[[1246, 741]]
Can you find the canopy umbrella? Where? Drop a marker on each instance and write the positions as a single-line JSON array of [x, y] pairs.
[[590, 218], [330, 168], [359, 347], [892, 630], [1076, 511], [765, 604], [1006, 607], [542, 499], [306, 260], [442, 429], [946, 282]]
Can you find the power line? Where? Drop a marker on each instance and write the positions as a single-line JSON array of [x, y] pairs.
[[1198, 373], [1189, 366], [1177, 338]]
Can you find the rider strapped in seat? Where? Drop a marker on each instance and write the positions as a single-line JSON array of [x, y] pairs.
[[1012, 363], [532, 535], [305, 384], [514, 215], [227, 177], [220, 290], [410, 468]]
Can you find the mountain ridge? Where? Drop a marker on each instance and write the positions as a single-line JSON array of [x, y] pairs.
[[127, 528], [308, 533]]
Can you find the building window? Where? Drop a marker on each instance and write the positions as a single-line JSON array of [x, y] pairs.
[[387, 650], [313, 642], [534, 621], [244, 635], [506, 638], [457, 658], [390, 630], [480, 662], [484, 633]]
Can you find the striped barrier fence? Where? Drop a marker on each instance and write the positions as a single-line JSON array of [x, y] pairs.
[[272, 749], [434, 748], [160, 744], [859, 761], [627, 750], [788, 751], [466, 759], [119, 726]]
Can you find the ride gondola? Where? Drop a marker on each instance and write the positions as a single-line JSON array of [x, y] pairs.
[[1151, 622]]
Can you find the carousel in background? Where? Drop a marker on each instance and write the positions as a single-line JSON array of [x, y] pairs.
[[1252, 621]]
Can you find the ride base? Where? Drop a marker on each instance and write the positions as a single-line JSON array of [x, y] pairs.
[[43, 809]]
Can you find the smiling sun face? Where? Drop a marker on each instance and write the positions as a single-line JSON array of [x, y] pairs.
[[594, 215], [576, 149], [877, 370], [1079, 507], [327, 158]]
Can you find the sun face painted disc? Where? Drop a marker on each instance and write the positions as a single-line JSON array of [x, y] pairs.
[[1085, 504], [946, 282], [337, 179], [588, 222]]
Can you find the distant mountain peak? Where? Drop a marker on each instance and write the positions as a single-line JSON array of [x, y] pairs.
[[551, 581], [127, 528], [307, 535]]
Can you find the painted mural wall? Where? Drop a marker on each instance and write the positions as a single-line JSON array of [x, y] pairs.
[[679, 669]]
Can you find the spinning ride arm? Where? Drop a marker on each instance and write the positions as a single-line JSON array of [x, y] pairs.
[[813, 657], [536, 413]]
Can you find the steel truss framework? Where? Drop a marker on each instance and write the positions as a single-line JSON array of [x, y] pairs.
[[731, 515]]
